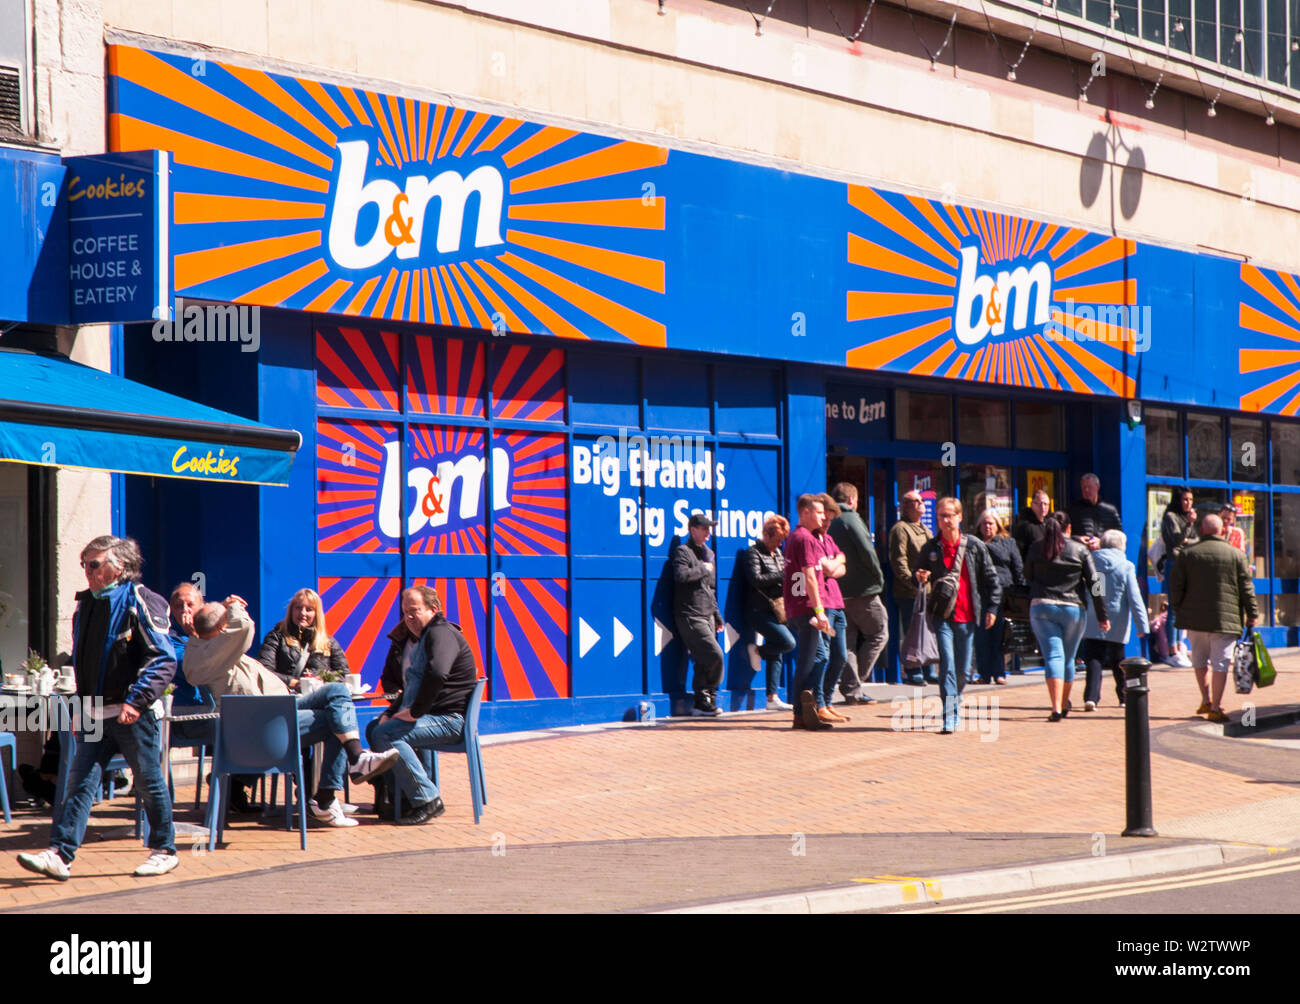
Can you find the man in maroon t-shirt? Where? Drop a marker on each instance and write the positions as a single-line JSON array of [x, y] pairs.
[[833, 567], [804, 588]]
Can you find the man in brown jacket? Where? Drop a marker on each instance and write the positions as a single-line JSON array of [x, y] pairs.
[[906, 538], [1209, 587]]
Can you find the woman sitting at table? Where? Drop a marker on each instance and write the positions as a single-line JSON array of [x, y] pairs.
[[300, 645]]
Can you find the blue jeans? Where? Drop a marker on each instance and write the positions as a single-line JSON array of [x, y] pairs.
[[140, 744], [323, 716], [810, 661], [956, 645], [988, 650], [406, 738], [1059, 629], [839, 652], [777, 641]]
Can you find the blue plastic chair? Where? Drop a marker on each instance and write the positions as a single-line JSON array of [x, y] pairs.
[[469, 745], [7, 742], [256, 735], [176, 742]]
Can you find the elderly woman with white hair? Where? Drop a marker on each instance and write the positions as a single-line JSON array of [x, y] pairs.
[[1124, 607]]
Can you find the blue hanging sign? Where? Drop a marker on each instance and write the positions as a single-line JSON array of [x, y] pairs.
[[118, 225]]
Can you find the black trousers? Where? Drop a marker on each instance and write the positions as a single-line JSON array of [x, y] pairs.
[[701, 640], [1099, 656]]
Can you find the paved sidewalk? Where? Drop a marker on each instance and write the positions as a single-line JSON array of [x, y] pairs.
[[693, 811]]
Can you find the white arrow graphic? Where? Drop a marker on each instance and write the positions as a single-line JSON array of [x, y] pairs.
[[622, 637], [662, 636], [587, 637], [729, 636]]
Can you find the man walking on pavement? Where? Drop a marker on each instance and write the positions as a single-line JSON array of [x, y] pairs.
[[123, 663], [1029, 528], [868, 624], [803, 592], [695, 612], [906, 538], [1089, 516], [1210, 586]]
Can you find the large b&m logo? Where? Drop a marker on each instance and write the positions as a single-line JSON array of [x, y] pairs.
[[408, 214], [937, 289], [290, 192]]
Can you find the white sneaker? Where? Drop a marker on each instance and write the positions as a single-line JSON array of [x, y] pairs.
[[48, 863], [1089, 705], [371, 764], [348, 808], [705, 712], [158, 864], [775, 703], [755, 660], [333, 816]]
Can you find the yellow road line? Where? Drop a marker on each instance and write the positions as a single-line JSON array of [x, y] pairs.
[[1127, 888]]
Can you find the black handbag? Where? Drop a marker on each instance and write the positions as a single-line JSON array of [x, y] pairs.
[[944, 589]]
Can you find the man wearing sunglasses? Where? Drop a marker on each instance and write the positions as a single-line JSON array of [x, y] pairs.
[[124, 661]]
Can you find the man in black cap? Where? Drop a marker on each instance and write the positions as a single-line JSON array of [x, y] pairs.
[[695, 611]]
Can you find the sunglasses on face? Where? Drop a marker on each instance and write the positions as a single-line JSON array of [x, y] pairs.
[[90, 566]]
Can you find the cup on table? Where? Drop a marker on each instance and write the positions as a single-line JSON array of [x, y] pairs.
[[354, 683], [15, 680], [308, 685]]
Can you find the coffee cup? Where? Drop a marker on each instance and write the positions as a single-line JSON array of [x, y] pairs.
[[354, 682], [15, 680], [308, 685]]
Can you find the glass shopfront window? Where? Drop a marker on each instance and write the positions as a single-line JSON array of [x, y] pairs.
[[1205, 458], [1286, 536], [1286, 453], [1164, 443], [984, 486], [1249, 449], [983, 421], [1039, 426], [13, 566], [930, 478], [924, 417], [1251, 530]]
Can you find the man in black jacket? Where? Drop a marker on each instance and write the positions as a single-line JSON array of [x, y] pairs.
[[695, 612], [431, 710], [1090, 517], [1029, 528], [976, 598], [863, 581]]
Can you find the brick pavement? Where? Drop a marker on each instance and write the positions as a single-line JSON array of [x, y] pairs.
[[741, 776]]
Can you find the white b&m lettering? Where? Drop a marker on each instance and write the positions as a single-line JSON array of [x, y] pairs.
[[990, 298], [402, 211]]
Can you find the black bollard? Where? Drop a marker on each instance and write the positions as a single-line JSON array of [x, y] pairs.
[[1137, 748]]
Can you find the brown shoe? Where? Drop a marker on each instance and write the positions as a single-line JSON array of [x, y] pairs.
[[834, 715], [808, 709], [798, 722], [1205, 708], [1216, 715], [826, 717]]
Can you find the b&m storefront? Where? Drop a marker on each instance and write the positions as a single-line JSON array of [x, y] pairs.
[[474, 321]]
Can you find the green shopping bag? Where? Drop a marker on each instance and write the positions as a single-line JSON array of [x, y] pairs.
[[1265, 674]]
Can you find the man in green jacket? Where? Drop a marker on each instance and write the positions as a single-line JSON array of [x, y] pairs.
[[868, 629], [1209, 587], [906, 538]]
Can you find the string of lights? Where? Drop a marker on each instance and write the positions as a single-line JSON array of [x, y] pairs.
[[830, 9], [934, 56], [1187, 27]]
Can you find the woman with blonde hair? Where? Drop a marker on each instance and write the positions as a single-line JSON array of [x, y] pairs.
[[300, 645]]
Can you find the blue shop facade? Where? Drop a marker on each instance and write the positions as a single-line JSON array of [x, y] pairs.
[[519, 356]]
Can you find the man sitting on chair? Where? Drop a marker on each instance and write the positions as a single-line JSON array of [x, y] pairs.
[[216, 658], [431, 710]]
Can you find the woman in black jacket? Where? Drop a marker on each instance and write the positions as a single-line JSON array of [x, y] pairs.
[[1061, 579], [300, 645], [1005, 556], [763, 565]]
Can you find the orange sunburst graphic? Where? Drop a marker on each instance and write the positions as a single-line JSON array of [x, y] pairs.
[[485, 221], [1269, 314], [964, 293]]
